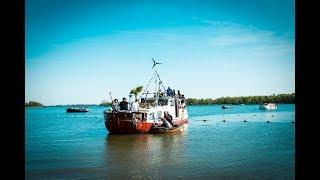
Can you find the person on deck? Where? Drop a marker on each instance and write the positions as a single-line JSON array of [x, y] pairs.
[[183, 101], [168, 117], [179, 95], [135, 106], [169, 91], [115, 105], [124, 105], [166, 120], [173, 93]]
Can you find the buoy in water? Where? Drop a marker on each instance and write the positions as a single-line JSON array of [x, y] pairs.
[[223, 120], [268, 121], [245, 121], [254, 115], [204, 120]]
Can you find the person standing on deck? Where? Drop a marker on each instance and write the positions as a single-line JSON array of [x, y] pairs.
[[168, 117], [169, 91], [167, 120], [124, 105], [183, 101], [115, 105], [135, 106]]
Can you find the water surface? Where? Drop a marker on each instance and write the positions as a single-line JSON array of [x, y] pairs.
[[77, 145]]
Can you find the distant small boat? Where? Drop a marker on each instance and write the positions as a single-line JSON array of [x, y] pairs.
[[226, 107], [77, 109], [268, 106]]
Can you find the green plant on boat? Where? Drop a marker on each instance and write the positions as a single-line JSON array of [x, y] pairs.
[[135, 91]]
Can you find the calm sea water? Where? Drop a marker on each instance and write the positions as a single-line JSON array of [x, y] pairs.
[[62, 145]]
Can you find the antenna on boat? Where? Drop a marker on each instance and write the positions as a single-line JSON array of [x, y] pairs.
[[110, 96]]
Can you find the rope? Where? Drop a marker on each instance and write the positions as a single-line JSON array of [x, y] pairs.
[[145, 90], [147, 86], [160, 80]]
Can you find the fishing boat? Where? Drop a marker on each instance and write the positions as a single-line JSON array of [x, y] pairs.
[[268, 106], [226, 107], [150, 116], [81, 109]]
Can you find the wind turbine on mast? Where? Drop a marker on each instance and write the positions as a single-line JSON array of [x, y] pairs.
[[155, 63]]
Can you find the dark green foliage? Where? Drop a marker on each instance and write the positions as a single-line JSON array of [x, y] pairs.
[[105, 103], [193, 101], [135, 91], [280, 98], [33, 104]]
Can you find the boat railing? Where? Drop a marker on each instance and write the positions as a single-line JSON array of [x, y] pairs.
[[127, 115]]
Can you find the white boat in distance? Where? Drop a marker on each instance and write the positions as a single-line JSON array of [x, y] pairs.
[[268, 106]]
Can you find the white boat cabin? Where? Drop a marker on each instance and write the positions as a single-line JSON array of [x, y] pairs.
[[155, 110]]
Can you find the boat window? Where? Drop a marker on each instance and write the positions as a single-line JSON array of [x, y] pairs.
[[171, 102], [143, 116], [159, 114], [163, 102], [151, 116], [143, 100]]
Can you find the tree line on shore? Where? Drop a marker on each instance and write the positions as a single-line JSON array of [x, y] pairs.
[[32, 104], [105, 103], [280, 98]]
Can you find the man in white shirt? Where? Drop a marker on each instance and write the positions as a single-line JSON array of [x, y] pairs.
[[135, 106]]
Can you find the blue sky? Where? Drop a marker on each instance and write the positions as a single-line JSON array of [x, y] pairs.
[[77, 50]]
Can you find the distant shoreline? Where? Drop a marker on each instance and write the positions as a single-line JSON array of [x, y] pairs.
[[110, 105], [280, 98], [237, 100]]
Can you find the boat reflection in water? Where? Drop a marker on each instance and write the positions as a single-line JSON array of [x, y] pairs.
[[144, 155]]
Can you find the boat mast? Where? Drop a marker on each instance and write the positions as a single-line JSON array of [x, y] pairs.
[[157, 82], [156, 90]]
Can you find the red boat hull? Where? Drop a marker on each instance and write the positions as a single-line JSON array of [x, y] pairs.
[[126, 123]]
